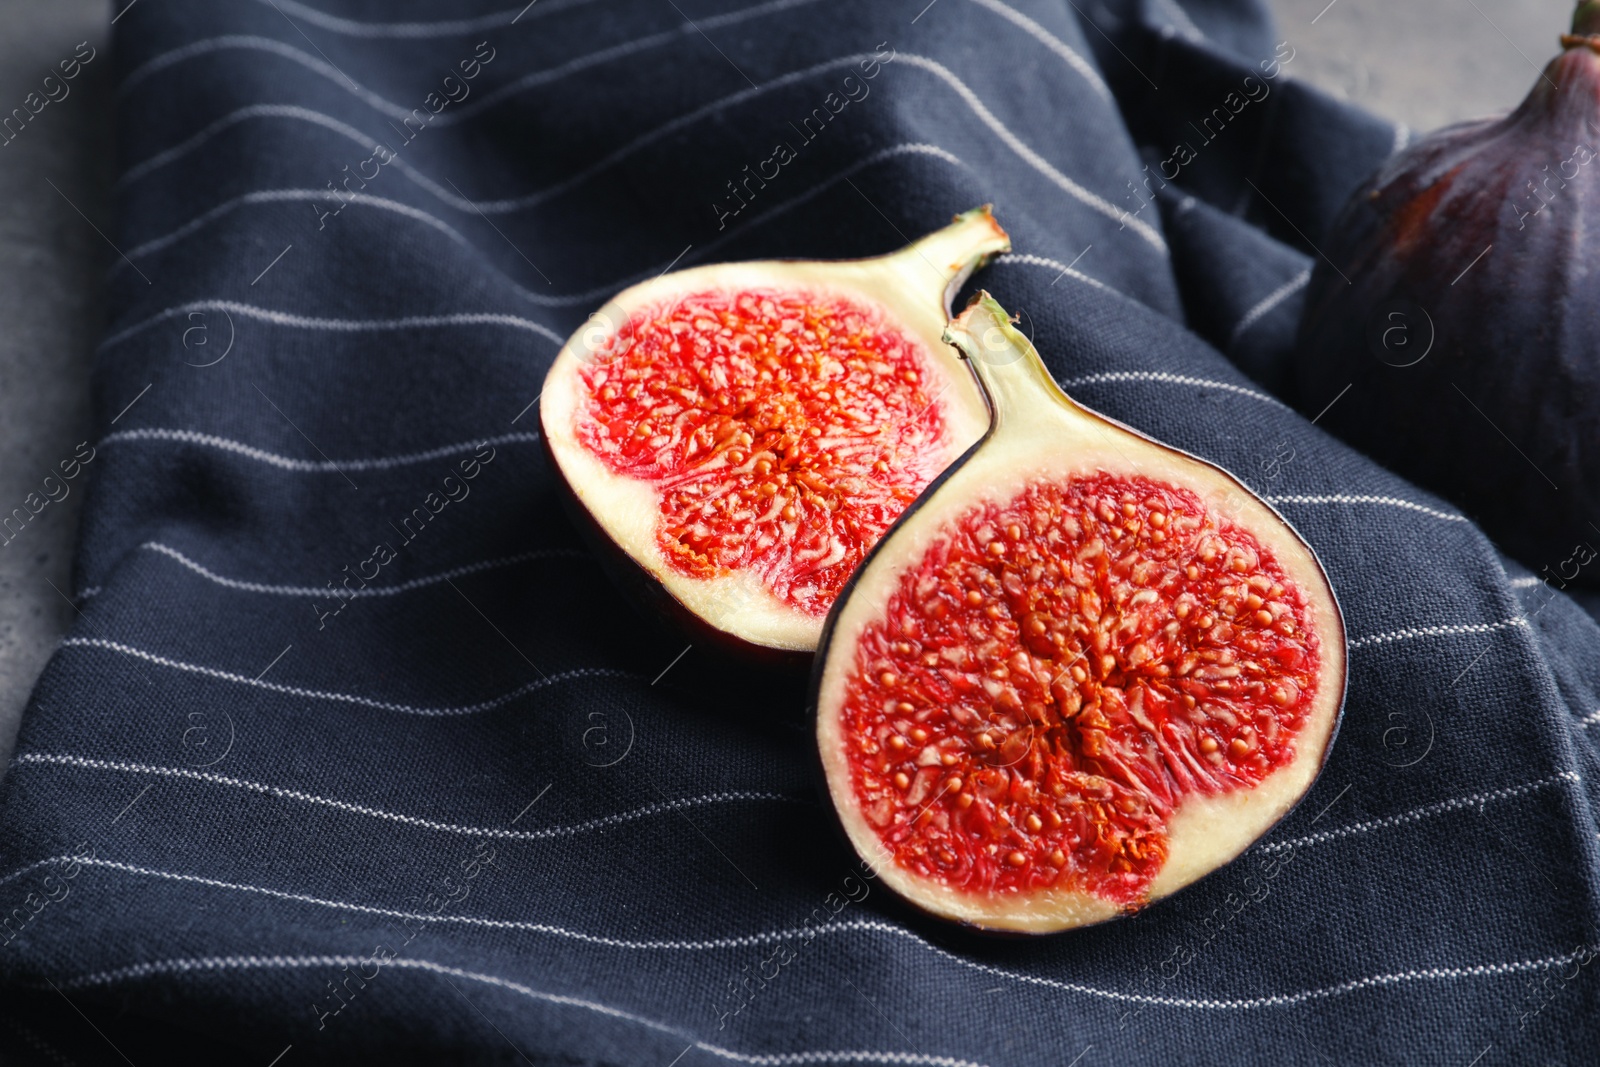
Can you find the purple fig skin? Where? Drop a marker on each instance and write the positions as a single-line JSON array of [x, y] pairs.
[[1476, 240]]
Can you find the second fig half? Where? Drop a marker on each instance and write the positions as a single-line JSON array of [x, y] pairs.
[[1083, 670]]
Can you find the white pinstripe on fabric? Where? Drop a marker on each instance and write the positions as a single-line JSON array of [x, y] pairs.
[[465, 111], [255, 42], [472, 106], [496, 832], [880, 927], [1281, 1000], [316, 466], [332, 467], [1268, 302], [347, 698], [306, 322], [740, 229], [1037, 162], [1348, 498], [1422, 974], [124, 766], [299, 114], [350, 27], [280, 196], [415, 30], [473, 568], [967, 96], [1032, 158], [1591, 719], [784, 1059], [369, 590], [590, 672], [1073, 59], [1526, 583], [1055, 44], [1412, 633], [783, 207], [1418, 814], [196, 140], [1028, 260], [1170, 379], [521, 925], [35, 865]]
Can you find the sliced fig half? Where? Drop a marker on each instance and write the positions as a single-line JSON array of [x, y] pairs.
[[1082, 671], [738, 436]]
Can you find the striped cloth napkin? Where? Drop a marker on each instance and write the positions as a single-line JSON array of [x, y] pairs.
[[353, 755]]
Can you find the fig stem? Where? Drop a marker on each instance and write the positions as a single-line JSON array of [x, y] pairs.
[[1013, 377], [1585, 23], [971, 240]]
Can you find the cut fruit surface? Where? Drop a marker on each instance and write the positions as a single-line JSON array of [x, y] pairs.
[[1084, 656], [745, 433], [1083, 670], [785, 430]]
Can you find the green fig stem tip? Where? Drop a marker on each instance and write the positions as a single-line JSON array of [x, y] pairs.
[[1014, 379], [1585, 23]]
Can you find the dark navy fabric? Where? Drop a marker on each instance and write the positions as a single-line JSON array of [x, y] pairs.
[[480, 812]]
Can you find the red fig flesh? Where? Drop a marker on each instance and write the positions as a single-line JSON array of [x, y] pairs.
[[1066, 684], [744, 433]]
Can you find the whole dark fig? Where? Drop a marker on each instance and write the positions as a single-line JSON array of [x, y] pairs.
[[1459, 300]]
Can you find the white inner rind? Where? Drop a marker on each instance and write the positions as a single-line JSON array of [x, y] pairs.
[[904, 288], [1205, 832]]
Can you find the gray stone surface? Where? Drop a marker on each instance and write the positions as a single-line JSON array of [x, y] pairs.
[[51, 263], [1424, 62]]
